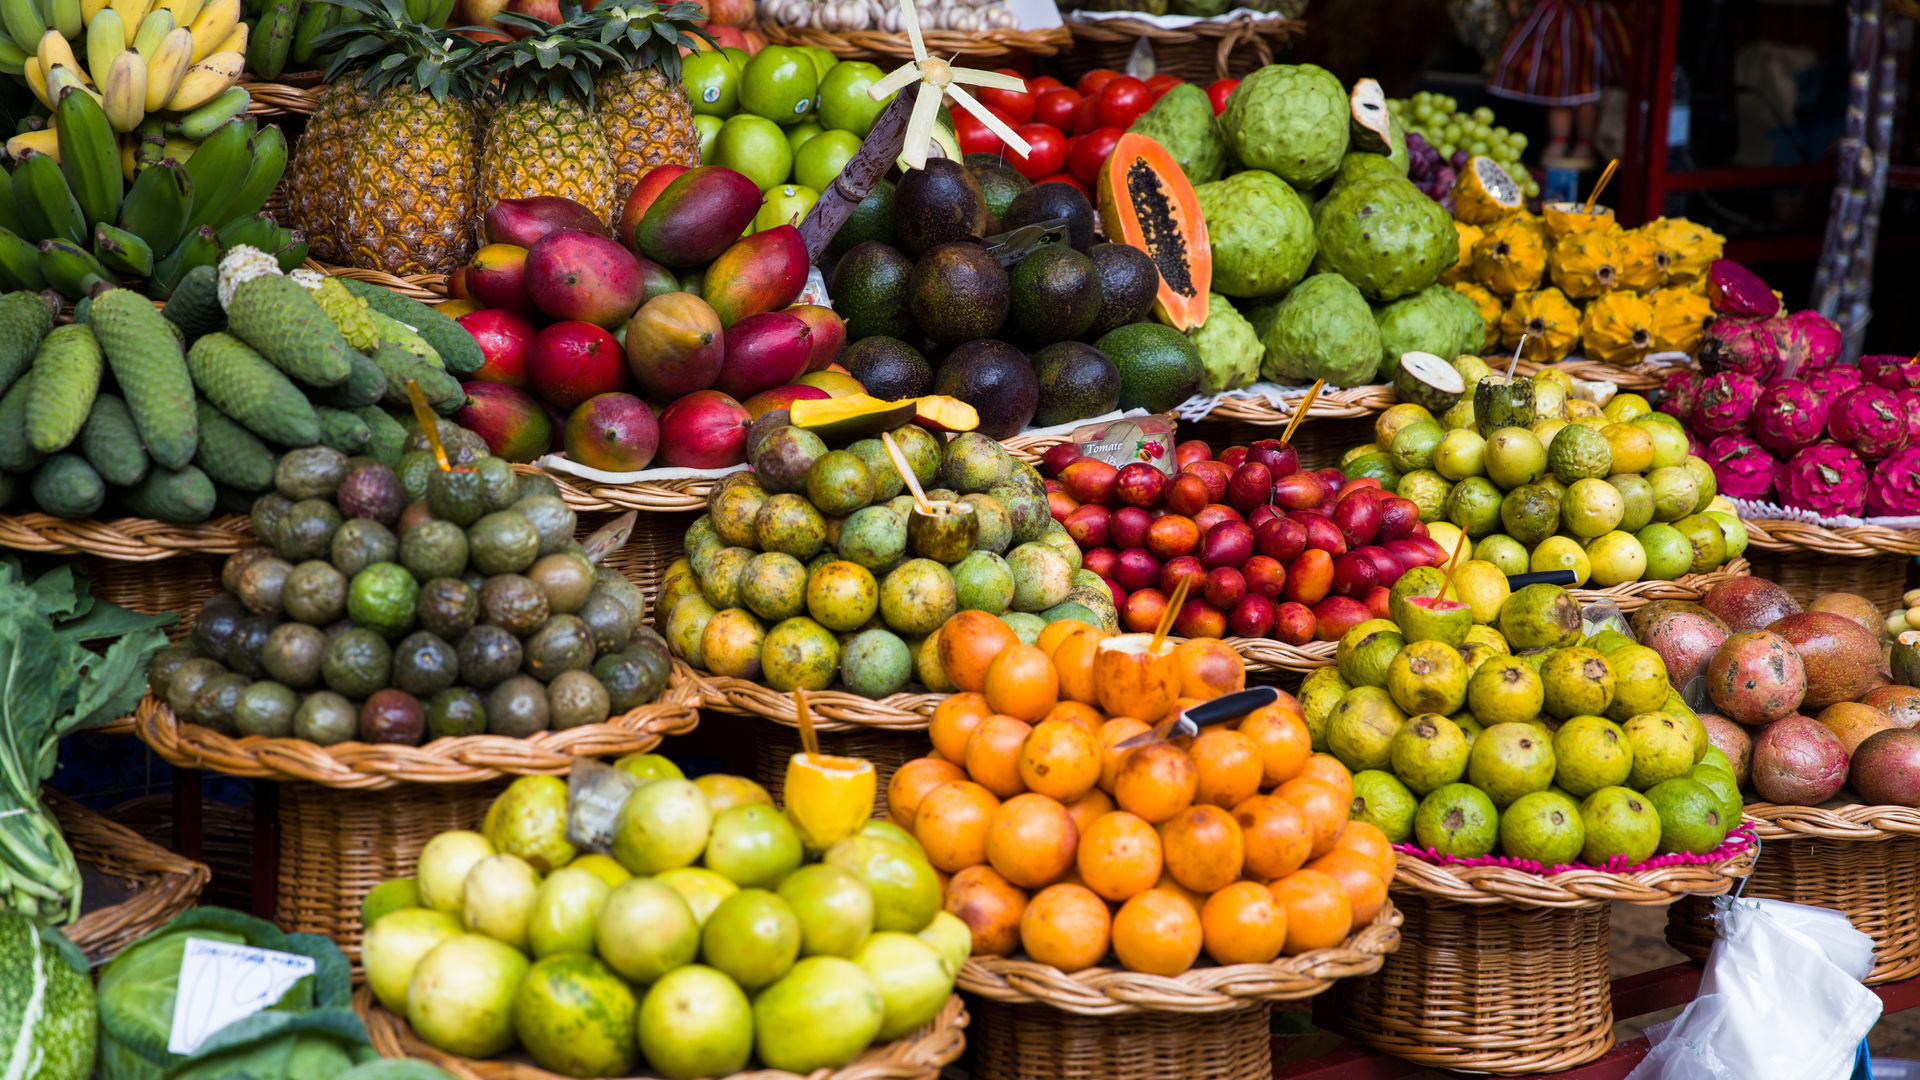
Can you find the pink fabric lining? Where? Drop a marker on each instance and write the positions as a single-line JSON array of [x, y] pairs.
[[1737, 840]]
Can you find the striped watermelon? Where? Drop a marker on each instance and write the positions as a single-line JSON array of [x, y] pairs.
[[48, 1024]]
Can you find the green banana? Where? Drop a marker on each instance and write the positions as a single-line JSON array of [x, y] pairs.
[[315, 20], [9, 215], [272, 38], [122, 251], [257, 231], [218, 168], [263, 174], [24, 24], [65, 16], [20, 262], [13, 58], [156, 205], [47, 206], [200, 248], [106, 40], [89, 155], [71, 269], [202, 121]]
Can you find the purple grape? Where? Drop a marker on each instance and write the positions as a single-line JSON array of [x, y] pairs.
[[1459, 160], [1416, 143], [1445, 178]]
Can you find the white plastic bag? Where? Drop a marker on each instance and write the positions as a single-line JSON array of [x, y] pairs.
[[1781, 1000]]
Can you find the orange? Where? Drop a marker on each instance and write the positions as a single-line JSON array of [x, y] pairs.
[[1243, 924], [1209, 667], [1324, 808], [1278, 838], [991, 907], [1060, 760], [968, 642], [1282, 739], [952, 822], [1229, 767], [1112, 733], [1156, 782], [1157, 933], [1079, 714], [1058, 631], [953, 720], [1021, 683], [1360, 877], [1366, 838], [1089, 808], [1327, 769], [1318, 912], [1119, 856], [1066, 926], [1031, 840], [1073, 662], [912, 781], [1203, 848], [993, 754]]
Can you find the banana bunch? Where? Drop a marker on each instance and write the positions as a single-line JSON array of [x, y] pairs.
[[284, 33], [175, 58], [70, 220]]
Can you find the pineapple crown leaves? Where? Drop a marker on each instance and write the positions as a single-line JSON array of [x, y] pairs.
[[391, 50], [554, 60], [647, 35]]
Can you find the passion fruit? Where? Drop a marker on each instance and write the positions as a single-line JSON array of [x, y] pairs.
[[513, 603], [448, 607], [562, 644], [488, 655], [567, 579]]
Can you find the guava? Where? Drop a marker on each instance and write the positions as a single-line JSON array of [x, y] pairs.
[[498, 899], [662, 825], [914, 980], [645, 930], [753, 846], [529, 819], [460, 998], [752, 937], [820, 1015], [576, 1017], [905, 891], [443, 866], [696, 1022], [564, 911], [392, 948], [700, 887], [834, 907]]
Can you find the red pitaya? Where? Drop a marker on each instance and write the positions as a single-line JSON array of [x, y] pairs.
[[1735, 290], [1831, 382], [1789, 415], [1869, 421], [1680, 395], [1825, 478], [1892, 372], [1743, 469], [1726, 404], [1894, 488], [1811, 341], [1744, 345], [1910, 411]]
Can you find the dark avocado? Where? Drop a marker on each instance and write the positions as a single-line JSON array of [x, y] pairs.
[[393, 716], [266, 514], [501, 483], [455, 712], [1159, 367], [458, 495], [160, 669], [238, 562], [448, 607], [632, 678], [575, 698], [415, 467], [563, 644], [356, 663], [608, 620], [550, 517], [517, 708], [315, 593], [306, 530], [310, 472], [503, 542], [371, 490], [936, 205], [869, 290], [435, 549], [187, 680], [994, 378], [530, 484], [871, 219], [567, 579], [213, 705], [1076, 381], [214, 624], [292, 654], [263, 585], [957, 292], [514, 603], [360, 543], [1000, 183], [248, 643], [266, 708], [487, 655], [424, 664], [889, 368], [1056, 294], [326, 718], [1042, 203], [1128, 283]]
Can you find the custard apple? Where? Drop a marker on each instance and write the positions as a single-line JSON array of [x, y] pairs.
[[1434, 320], [1323, 329], [1261, 235], [1386, 236], [1291, 120], [1182, 123], [1230, 350]]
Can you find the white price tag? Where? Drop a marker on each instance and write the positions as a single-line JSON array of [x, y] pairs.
[[222, 982]]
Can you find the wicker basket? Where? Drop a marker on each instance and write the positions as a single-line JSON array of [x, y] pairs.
[[966, 48], [1863, 861], [160, 884], [226, 840], [123, 539], [919, 1055], [774, 745], [294, 93], [1227, 47], [1637, 379], [1811, 560], [426, 288]]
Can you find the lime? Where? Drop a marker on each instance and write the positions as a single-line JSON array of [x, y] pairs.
[[754, 147], [1380, 799], [1692, 816], [1457, 820], [801, 134], [1620, 823], [708, 127], [779, 83], [1590, 753], [845, 104], [573, 1014], [784, 205], [1543, 826], [382, 598], [712, 83], [1669, 554], [823, 59], [817, 163], [696, 1022]]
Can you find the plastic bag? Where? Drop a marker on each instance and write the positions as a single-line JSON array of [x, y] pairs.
[[1781, 1000]]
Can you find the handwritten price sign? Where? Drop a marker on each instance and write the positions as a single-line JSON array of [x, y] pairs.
[[222, 982]]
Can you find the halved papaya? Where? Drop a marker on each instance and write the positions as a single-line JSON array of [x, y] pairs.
[[1147, 203], [938, 412], [854, 416]]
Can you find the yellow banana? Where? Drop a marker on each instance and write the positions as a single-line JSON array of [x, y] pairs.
[[206, 79], [41, 142], [183, 11], [155, 27], [90, 8], [126, 91], [55, 51], [36, 79], [106, 39], [211, 27], [129, 161], [131, 13], [168, 66], [234, 42], [60, 77]]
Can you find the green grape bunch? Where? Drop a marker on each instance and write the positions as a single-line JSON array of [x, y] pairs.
[[1457, 135]]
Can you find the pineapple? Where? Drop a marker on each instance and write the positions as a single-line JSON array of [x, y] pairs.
[[641, 106], [383, 178], [542, 136]]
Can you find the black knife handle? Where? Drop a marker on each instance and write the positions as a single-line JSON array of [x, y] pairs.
[[1543, 577], [1228, 706]]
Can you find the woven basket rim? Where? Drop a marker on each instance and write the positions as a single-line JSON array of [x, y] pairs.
[[165, 884], [426, 288], [1578, 888], [1105, 991], [1236, 25], [464, 760], [856, 44], [919, 1055], [127, 539], [1847, 542], [1859, 822]]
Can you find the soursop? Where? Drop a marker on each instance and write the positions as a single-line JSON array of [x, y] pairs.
[[1434, 320], [1291, 120], [1182, 123], [1261, 235], [1386, 236], [1323, 329], [1230, 349]]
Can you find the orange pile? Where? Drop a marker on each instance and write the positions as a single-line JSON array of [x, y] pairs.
[[1234, 842]]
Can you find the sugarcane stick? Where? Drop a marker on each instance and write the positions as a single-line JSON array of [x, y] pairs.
[[1843, 210], [1856, 288], [861, 174]]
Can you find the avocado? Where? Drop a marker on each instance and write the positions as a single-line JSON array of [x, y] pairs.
[[517, 708], [1159, 367], [160, 669], [957, 292], [187, 680], [306, 530], [310, 472], [1128, 283], [266, 513], [999, 182], [326, 718], [1076, 381], [553, 519], [530, 484], [393, 716], [1051, 201], [633, 677], [567, 579], [870, 219], [356, 663], [608, 619], [266, 708], [1056, 295], [563, 644], [503, 542], [869, 290], [994, 378], [361, 542], [499, 481], [487, 655], [416, 466], [214, 705], [214, 625], [575, 698], [435, 549], [454, 712], [938, 204], [424, 664], [315, 593], [248, 642], [889, 368]]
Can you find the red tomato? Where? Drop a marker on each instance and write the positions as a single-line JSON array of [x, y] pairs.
[[1160, 84], [1017, 104], [1048, 153], [1122, 101], [1055, 107], [1086, 115], [1063, 178], [975, 137], [1040, 84], [1092, 81], [1219, 92], [1085, 158]]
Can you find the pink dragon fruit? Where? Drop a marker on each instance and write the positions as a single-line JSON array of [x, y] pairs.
[[1910, 410], [1680, 395], [1825, 478], [1726, 404], [1831, 382], [1743, 469], [1869, 421], [1735, 290], [1811, 341], [1789, 415], [1894, 488], [1892, 372], [1744, 345]]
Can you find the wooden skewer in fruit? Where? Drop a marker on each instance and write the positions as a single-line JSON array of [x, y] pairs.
[[1166, 617], [1600, 185], [429, 425], [1300, 411], [941, 531], [827, 798]]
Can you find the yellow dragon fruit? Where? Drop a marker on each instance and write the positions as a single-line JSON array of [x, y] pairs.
[[1689, 247], [1468, 235], [1490, 309], [1680, 316], [1509, 259], [1617, 328], [1571, 217], [1550, 322], [1484, 192], [1642, 266], [1586, 264]]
